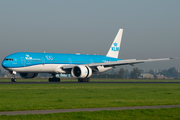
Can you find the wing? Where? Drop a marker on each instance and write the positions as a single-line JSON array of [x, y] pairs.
[[125, 62], [117, 63]]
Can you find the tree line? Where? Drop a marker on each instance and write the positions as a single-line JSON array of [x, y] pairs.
[[122, 73], [136, 73], [1, 74], [171, 72]]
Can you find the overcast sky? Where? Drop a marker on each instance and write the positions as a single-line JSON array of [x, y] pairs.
[[151, 28]]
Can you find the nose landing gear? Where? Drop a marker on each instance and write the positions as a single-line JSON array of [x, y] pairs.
[[13, 79], [14, 76]]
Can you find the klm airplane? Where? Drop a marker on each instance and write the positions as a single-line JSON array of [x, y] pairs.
[[80, 66]]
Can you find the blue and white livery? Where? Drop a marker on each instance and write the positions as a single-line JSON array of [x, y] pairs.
[[80, 66]]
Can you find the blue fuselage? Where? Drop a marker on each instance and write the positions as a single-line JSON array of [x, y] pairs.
[[26, 59]]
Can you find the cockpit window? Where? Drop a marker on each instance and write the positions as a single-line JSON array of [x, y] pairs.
[[8, 59]]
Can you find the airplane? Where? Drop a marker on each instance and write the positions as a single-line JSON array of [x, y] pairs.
[[80, 66]]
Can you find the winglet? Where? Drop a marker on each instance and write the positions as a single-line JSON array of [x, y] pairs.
[[174, 58], [115, 47]]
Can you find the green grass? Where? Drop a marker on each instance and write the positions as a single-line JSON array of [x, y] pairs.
[[91, 80], [15, 97], [147, 114]]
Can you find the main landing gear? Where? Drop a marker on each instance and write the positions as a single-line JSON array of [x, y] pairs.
[[83, 79], [54, 79]]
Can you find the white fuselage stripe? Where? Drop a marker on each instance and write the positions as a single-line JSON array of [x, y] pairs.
[[42, 68]]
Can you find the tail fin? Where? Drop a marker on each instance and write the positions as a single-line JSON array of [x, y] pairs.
[[115, 47]]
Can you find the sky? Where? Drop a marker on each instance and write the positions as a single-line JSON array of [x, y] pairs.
[[151, 28]]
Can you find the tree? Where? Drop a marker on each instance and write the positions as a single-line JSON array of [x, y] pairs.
[[151, 72], [135, 73], [141, 71], [127, 73], [121, 73], [173, 72], [165, 73]]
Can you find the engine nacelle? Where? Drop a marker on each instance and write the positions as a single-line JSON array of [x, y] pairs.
[[28, 75], [81, 71]]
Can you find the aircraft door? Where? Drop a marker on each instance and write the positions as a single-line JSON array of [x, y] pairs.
[[70, 61], [43, 61], [23, 61], [91, 61]]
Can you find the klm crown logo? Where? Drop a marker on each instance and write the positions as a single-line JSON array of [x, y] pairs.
[[115, 44], [28, 57], [115, 48]]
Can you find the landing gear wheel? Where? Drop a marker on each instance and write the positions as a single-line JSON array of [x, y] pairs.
[[54, 79], [83, 80], [87, 79], [80, 80], [13, 79]]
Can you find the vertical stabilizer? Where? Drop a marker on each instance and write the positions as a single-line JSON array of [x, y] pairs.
[[115, 47]]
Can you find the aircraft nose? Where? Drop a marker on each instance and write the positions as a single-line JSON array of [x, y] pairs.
[[4, 64]]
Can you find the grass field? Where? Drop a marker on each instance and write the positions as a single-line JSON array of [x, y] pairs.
[[14, 97], [147, 114], [91, 80]]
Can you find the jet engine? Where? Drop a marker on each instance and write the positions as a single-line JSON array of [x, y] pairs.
[[28, 75], [81, 71]]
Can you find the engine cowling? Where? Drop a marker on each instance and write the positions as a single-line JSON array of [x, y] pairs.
[[81, 71], [28, 75]]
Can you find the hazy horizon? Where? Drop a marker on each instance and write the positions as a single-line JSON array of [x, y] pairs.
[[151, 28]]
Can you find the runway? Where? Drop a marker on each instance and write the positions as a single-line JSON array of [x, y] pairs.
[[89, 82], [85, 109]]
